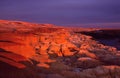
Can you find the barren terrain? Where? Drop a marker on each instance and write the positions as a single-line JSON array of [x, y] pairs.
[[29, 50]]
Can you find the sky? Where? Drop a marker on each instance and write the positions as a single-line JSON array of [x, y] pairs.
[[63, 12]]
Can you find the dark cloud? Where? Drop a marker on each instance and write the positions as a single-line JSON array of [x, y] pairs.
[[61, 12]]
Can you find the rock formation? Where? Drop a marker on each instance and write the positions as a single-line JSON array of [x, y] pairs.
[[30, 50]]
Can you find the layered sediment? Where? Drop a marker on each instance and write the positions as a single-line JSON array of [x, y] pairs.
[[47, 51]]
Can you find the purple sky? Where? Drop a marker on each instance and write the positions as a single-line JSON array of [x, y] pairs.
[[62, 12]]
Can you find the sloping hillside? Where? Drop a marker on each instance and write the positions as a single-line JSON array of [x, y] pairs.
[[30, 50]]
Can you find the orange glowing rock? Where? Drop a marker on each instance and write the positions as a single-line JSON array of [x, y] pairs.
[[26, 47]]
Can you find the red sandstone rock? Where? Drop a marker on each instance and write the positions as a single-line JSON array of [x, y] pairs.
[[24, 47]]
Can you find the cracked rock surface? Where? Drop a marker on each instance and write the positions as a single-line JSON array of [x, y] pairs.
[[47, 51]]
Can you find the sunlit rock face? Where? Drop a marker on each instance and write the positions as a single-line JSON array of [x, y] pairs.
[[13, 65], [45, 51]]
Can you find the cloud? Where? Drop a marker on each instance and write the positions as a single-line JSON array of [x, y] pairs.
[[62, 11]]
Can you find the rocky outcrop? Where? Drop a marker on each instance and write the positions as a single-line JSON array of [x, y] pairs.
[[15, 66], [101, 72], [46, 51]]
